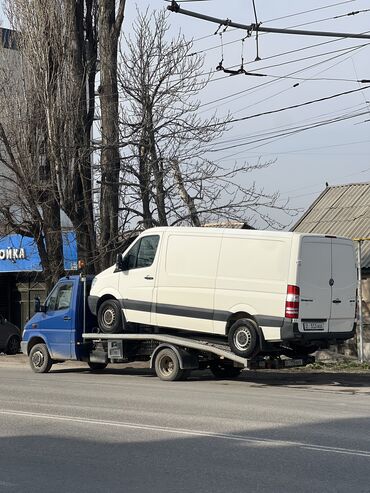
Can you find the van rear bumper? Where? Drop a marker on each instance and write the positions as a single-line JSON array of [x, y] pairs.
[[290, 332]]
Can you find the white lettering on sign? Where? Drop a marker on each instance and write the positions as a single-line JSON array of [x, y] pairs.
[[12, 254]]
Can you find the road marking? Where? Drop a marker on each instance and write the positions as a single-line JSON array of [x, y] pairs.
[[266, 442]]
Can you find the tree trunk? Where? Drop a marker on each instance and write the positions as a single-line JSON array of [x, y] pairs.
[[187, 199], [109, 29], [144, 182]]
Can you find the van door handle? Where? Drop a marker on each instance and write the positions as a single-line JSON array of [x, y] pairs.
[[149, 278], [67, 318], [337, 301]]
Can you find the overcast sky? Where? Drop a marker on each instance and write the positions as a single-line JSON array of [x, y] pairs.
[[337, 153]]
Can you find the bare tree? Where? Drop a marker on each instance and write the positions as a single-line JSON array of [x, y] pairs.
[[28, 199], [59, 45], [110, 24], [169, 176]]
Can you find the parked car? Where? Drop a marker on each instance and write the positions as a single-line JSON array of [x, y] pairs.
[[10, 337]]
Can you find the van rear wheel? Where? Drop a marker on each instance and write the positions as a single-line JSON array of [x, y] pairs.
[[243, 338], [110, 317]]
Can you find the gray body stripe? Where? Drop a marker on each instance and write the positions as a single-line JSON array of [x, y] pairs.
[[266, 321], [177, 310], [194, 312]]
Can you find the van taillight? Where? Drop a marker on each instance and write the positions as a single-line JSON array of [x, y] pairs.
[[292, 302]]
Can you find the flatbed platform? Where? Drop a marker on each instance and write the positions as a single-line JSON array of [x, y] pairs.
[[223, 352]]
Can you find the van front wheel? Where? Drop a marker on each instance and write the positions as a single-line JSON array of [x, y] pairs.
[[243, 338], [110, 317]]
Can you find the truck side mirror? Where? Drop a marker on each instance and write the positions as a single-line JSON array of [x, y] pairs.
[[37, 304]]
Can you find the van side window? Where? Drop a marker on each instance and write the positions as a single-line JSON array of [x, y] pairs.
[[132, 256], [142, 254], [60, 297]]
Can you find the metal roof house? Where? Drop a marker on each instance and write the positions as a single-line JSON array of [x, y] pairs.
[[342, 210]]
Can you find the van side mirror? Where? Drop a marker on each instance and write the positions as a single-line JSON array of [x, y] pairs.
[[121, 264]]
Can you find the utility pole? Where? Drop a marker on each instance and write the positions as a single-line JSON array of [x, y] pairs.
[[175, 7], [359, 299]]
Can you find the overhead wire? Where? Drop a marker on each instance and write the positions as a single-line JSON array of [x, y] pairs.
[[259, 86], [293, 130], [269, 130], [308, 11], [206, 50], [288, 134]]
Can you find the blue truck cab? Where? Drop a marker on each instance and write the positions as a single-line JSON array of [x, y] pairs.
[[54, 333]]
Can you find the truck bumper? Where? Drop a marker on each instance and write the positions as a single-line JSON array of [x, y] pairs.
[[24, 345], [290, 332], [92, 301]]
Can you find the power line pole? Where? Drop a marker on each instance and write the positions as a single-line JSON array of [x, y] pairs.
[[175, 7], [359, 300]]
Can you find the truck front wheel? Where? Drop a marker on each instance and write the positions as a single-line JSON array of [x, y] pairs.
[[40, 360], [167, 366], [243, 338], [110, 317]]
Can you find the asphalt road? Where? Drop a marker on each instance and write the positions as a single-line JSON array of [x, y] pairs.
[[126, 431]]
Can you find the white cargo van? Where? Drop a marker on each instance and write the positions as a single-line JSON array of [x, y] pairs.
[[264, 291]]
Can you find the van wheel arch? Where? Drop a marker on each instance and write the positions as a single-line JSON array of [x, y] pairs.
[[238, 316], [104, 298]]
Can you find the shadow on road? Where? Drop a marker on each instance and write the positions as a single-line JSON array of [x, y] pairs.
[[109, 458], [304, 377], [259, 378]]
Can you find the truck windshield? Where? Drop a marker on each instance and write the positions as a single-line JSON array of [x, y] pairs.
[[60, 297]]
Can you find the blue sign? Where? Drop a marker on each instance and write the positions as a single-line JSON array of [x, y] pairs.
[[19, 253]]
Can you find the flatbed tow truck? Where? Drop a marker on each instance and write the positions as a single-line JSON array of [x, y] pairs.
[[64, 329]]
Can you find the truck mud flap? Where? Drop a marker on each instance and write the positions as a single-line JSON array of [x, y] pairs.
[[98, 355]]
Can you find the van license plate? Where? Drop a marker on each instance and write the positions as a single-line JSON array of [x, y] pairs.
[[313, 326]]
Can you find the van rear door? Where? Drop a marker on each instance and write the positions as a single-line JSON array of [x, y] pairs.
[[314, 274], [327, 282], [344, 286]]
